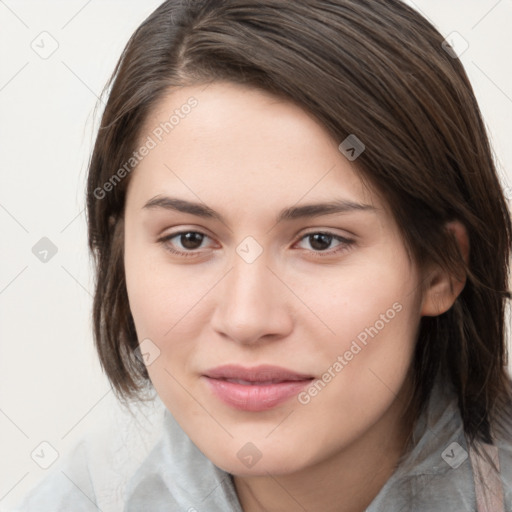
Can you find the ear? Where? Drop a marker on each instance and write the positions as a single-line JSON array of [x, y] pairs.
[[443, 288]]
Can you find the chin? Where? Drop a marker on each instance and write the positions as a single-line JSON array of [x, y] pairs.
[[259, 458]]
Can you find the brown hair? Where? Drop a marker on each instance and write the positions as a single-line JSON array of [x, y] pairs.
[[374, 69]]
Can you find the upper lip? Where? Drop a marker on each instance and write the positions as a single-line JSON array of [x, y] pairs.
[[262, 373]]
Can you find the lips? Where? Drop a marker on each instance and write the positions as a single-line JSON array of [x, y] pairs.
[[255, 389]]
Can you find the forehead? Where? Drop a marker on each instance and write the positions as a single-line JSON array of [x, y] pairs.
[[243, 147]]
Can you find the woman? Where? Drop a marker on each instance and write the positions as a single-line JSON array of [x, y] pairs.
[[302, 246]]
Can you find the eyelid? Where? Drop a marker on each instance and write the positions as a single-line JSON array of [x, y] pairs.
[[345, 243], [164, 239], [347, 235]]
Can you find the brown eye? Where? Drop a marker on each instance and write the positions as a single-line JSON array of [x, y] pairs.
[[191, 239], [184, 243], [320, 241]]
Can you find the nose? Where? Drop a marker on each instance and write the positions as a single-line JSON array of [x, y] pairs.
[[252, 303]]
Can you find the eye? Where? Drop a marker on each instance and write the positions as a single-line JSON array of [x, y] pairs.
[[320, 241], [190, 241]]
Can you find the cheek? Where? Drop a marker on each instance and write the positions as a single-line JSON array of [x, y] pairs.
[[375, 317], [159, 311], [167, 317], [160, 294], [375, 300], [167, 308]]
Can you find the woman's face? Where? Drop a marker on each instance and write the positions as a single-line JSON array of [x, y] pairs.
[[327, 295]]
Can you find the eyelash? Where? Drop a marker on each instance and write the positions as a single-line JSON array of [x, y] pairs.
[[346, 243]]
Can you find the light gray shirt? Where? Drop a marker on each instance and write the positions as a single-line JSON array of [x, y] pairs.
[[436, 475]]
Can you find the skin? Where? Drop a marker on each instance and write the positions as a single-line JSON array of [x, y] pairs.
[[247, 154]]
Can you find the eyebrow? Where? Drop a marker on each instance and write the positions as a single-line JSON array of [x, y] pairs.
[[286, 214]]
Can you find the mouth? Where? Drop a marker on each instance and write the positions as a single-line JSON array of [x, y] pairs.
[[255, 383], [255, 389], [256, 375]]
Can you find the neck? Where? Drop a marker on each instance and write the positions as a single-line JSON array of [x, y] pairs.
[[346, 482]]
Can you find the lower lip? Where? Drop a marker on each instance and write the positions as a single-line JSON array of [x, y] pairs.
[[255, 397]]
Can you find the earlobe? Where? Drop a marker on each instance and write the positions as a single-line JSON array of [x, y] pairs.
[[443, 288]]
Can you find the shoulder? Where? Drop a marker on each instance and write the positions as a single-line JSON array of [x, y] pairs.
[[503, 441], [505, 462], [176, 475], [442, 471], [435, 473], [94, 474], [66, 487]]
